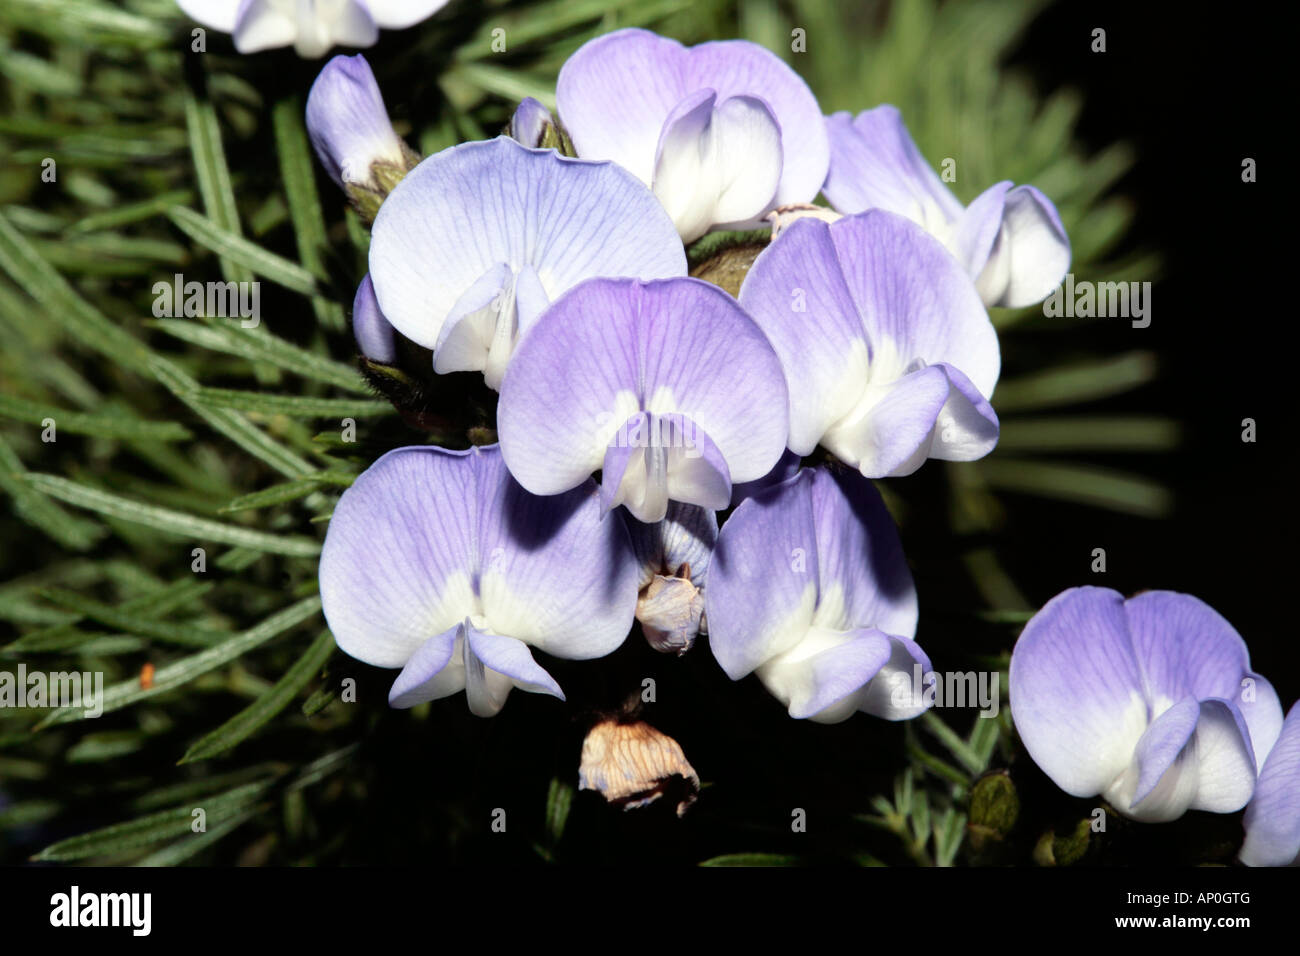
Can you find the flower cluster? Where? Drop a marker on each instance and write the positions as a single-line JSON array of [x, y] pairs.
[[637, 404], [654, 429]]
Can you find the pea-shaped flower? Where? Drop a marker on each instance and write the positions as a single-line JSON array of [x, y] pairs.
[[722, 132], [666, 387], [1149, 702], [476, 241], [311, 27], [437, 562], [1273, 816], [808, 588], [1009, 239], [888, 351]]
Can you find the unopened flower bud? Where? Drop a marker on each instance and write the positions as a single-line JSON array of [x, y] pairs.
[[535, 127], [353, 136], [374, 334]]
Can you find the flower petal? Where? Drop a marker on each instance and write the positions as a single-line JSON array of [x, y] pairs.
[[400, 14], [374, 335], [890, 433], [657, 458], [470, 207], [1076, 690], [613, 347], [761, 591], [217, 14], [874, 164], [1194, 756], [967, 427], [915, 300], [427, 538], [512, 659], [863, 578], [797, 293], [427, 675], [398, 555], [785, 469], [1031, 254], [1272, 819]]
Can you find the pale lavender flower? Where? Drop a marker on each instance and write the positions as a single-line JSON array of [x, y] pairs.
[[808, 588], [1149, 703], [889, 353], [437, 562], [722, 132]]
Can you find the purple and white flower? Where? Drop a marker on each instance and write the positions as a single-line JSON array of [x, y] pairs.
[[311, 27], [1149, 702], [1009, 239], [475, 242], [674, 556], [437, 562], [889, 353], [667, 387], [722, 132], [808, 588], [1273, 816]]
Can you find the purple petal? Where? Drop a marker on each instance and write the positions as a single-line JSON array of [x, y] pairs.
[[348, 122], [474, 206], [512, 659], [797, 293], [1185, 647], [977, 228], [657, 458], [426, 675], [1194, 756], [375, 337], [915, 300], [863, 578], [397, 559], [614, 347], [874, 164], [890, 434], [761, 591], [1273, 817], [785, 469], [1076, 690]]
